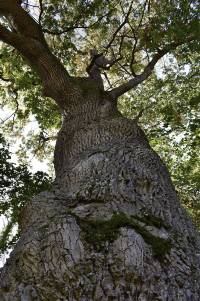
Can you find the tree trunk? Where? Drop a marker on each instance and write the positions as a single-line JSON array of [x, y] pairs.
[[112, 228]]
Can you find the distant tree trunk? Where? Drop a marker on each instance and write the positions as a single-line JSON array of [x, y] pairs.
[[112, 228]]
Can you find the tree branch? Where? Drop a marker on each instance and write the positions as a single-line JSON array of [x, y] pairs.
[[29, 40], [13, 114], [125, 87], [120, 26], [22, 21], [41, 12], [76, 26], [136, 39], [98, 62], [116, 92]]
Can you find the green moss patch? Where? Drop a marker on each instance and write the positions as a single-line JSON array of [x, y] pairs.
[[98, 232], [152, 221]]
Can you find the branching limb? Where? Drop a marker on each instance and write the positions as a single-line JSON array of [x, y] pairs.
[[23, 23], [93, 69], [43, 138], [98, 62], [125, 87], [29, 40], [41, 12], [134, 32], [76, 25], [118, 91], [120, 26], [13, 114], [107, 79]]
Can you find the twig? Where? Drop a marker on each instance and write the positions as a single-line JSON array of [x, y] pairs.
[[70, 28], [15, 111], [41, 12], [106, 77], [120, 27]]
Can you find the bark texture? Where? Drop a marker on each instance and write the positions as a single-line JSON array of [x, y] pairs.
[[112, 228]]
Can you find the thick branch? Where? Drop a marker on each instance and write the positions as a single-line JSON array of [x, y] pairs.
[[116, 92], [28, 39], [98, 62], [22, 22], [125, 87]]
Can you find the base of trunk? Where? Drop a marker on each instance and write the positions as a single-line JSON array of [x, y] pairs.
[[112, 230]]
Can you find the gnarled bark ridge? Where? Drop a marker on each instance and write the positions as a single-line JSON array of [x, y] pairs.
[[112, 228]]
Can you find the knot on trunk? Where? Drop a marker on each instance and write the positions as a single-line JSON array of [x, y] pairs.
[[98, 62]]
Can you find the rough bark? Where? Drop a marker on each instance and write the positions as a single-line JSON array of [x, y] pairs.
[[112, 227]]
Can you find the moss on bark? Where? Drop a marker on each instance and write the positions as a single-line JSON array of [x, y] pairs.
[[98, 232]]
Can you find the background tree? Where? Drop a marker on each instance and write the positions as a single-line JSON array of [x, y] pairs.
[[17, 185], [112, 213]]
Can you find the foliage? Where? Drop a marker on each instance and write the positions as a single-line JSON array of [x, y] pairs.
[[17, 185], [171, 120]]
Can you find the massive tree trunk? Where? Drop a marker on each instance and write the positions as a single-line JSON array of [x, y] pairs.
[[112, 227]]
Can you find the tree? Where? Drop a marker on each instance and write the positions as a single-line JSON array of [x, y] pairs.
[[112, 227], [17, 184]]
